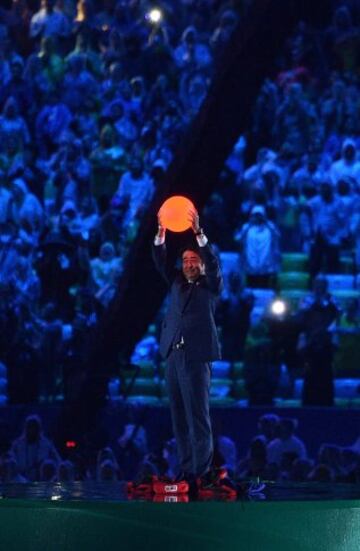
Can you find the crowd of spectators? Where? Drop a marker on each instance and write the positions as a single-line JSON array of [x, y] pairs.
[[275, 453], [94, 98]]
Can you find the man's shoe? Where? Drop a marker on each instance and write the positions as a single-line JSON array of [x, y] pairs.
[[215, 482], [142, 485], [164, 485]]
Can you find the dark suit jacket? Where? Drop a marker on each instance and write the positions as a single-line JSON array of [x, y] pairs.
[[192, 307]]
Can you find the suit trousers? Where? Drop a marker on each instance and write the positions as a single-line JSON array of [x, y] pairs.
[[188, 385]]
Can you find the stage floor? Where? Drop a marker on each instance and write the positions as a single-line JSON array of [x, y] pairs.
[[90, 491], [92, 516]]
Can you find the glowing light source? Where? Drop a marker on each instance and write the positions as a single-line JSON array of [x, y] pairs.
[[154, 16], [174, 213], [278, 307]]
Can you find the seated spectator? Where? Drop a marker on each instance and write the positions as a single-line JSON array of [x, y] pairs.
[[9, 471], [286, 442], [65, 472], [227, 22], [135, 190], [78, 83], [52, 62], [288, 215], [83, 46], [310, 171], [330, 455], [103, 268], [259, 243], [107, 467], [138, 95], [52, 122], [13, 125], [107, 472], [32, 448], [25, 206], [316, 317], [254, 464], [327, 227], [157, 54], [108, 160], [49, 21], [17, 87], [191, 54], [124, 124], [268, 425], [300, 470], [348, 165], [343, 41], [294, 119], [36, 79]]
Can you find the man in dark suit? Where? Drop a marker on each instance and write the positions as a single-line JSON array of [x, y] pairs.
[[189, 343]]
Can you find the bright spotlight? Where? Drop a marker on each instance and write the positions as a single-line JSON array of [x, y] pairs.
[[154, 16], [278, 307]]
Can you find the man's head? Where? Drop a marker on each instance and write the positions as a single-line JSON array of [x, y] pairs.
[[287, 427], [192, 264], [32, 428], [257, 215]]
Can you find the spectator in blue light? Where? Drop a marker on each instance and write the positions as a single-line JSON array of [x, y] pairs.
[[135, 189], [78, 83], [9, 470], [124, 124], [52, 121], [286, 442], [49, 21], [17, 87], [25, 206], [348, 165], [32, 448], [104, 267], [259, 243], [191, 54], [327, 226], [65, 472]]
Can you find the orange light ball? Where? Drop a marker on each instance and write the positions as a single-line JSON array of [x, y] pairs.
[[174, 213]]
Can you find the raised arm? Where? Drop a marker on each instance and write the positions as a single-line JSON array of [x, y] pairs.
[[160, 256], [212, 266]]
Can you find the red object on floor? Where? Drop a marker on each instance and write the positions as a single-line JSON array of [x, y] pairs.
[[144, 485], [171, 498], [169, 487]]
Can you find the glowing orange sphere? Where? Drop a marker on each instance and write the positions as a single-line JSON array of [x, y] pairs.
[[174, 213]]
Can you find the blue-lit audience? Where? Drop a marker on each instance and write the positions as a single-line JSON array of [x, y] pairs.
[[275, 454], [94, 100]]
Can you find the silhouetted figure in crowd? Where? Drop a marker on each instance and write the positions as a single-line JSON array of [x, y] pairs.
[[316, 318]]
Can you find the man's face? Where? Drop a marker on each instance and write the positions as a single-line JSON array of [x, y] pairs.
[[192, 265]]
